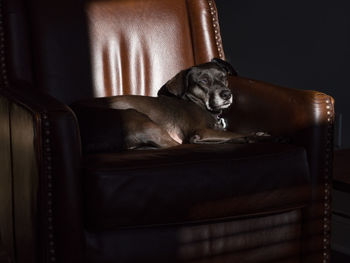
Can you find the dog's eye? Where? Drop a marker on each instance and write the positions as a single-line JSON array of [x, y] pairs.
[[204, 81]]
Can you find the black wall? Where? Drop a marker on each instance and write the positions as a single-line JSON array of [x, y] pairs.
[[297, 44]]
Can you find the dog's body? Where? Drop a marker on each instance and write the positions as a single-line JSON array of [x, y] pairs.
[[186, 111]]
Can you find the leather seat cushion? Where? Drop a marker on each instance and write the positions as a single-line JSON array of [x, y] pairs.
[[192, 183]]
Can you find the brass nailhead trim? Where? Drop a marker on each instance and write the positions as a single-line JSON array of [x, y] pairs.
[[327, 183], [5, 84], [48, 172], [3, 66], [215, 24]]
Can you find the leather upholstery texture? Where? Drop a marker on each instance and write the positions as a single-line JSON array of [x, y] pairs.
[[265, 202], [44, 189], [260, 238], [129, 39], [116, 47], [237, 179]]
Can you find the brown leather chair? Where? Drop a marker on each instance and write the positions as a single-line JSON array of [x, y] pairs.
[[264, 202]]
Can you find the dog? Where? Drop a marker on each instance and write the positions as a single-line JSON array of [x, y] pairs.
[[187, 110]]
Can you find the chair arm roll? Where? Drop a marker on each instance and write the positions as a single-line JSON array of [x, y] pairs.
[[305, 116], [278, 110], [45, 154]]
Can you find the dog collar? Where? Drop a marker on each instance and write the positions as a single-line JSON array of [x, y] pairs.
[[222, 123]]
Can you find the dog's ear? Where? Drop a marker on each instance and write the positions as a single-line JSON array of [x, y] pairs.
[[225, 65], [176, 86]]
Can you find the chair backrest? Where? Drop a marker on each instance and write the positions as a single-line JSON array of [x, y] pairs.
[[75, 49]]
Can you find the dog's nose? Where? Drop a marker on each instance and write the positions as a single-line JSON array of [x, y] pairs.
[[225, 94]]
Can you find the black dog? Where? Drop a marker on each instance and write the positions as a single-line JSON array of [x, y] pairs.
[[186, 110]]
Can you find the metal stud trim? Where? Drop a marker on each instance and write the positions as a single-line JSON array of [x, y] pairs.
[[216, 28], [327, 181], [3, 67], [49, 185], [4, 83]]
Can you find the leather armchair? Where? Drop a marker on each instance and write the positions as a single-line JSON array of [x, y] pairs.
[[264, 202]]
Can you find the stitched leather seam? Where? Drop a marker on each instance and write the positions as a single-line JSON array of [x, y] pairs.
[[223, 219], [289, 152]]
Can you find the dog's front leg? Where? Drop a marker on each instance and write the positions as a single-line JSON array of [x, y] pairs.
[[210, 136]]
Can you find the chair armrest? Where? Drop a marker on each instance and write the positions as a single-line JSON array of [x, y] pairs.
[[305, 116], [40, 136], [279, 110]]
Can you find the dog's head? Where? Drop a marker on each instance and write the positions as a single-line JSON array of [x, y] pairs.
[[205, 84]]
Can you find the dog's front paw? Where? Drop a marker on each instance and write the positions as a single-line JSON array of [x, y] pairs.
[[258, 137], [262, 134], [195, 138]]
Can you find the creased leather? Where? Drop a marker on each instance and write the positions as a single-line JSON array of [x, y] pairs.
[[138, 50]]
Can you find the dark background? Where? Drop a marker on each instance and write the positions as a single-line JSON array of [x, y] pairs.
[[294, 43]]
